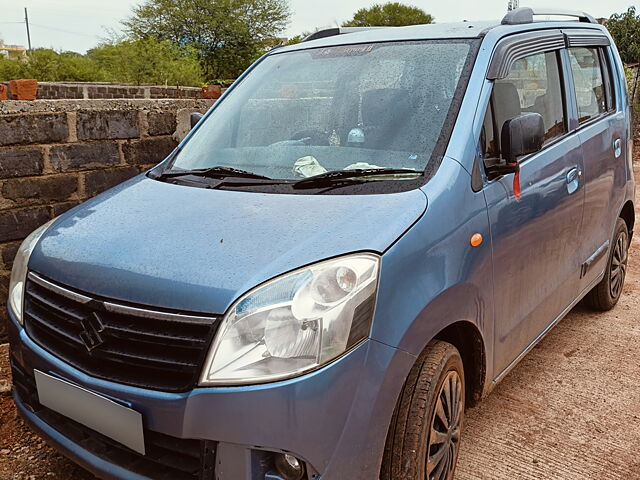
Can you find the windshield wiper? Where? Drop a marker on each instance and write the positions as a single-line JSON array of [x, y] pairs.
[[352, 176], [213, 172]]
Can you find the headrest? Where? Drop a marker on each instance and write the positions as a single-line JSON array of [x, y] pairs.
[[506, 102], [385, 105]]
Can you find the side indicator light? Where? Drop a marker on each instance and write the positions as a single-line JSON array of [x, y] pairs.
[[476, 240]]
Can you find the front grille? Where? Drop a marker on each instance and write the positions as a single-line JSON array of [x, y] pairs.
[[124, 344], [167, 458]]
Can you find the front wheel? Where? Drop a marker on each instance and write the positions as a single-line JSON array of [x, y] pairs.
[[424, 436], [606, 294]]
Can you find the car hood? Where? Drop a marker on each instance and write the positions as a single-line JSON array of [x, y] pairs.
[[178, 247]]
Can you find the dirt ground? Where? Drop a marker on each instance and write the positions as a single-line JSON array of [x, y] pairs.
[[569, 411]]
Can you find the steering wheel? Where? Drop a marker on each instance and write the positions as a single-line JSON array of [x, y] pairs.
[[316, 137]]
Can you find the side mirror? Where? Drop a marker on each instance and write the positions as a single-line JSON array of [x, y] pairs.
[[520, 136], [195, 118]]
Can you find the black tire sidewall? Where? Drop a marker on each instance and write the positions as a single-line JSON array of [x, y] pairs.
[[453, 362], [621, 229]]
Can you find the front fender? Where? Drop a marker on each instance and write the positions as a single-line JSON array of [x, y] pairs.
[[432, 277]]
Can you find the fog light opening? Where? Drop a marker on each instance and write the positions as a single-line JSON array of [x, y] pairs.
[[289, 467]]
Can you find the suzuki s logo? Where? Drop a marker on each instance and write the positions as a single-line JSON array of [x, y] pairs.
[[91, 329]]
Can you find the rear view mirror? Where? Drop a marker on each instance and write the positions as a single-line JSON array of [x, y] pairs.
[[195, 118], [522, 135]]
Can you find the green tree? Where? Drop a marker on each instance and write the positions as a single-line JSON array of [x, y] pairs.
[[625, 30], [392, 14], [227, 35], [296, 39], [299, 38]]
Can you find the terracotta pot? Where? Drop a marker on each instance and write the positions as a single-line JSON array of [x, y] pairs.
[[3, 92], [212, 92], [23, 89]]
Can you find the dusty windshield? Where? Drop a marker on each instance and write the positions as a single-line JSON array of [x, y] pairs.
[[305, 113]]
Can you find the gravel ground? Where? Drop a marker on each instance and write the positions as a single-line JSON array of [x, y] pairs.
[[569, 411]]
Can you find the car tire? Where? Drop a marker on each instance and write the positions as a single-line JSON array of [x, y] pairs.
[[606, 294], [424, 423]]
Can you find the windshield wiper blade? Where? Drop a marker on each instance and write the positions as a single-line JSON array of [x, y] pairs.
[[213, 172], [351, 176]]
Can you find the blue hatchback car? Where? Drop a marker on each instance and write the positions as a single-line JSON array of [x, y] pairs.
[[359, 240]]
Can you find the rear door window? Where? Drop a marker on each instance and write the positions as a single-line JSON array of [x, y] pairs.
[[589, 83]]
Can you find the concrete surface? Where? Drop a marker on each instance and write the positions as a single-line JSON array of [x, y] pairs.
[[571, 409]]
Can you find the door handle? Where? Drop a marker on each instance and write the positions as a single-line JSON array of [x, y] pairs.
[[573, 174], [617, 147], [573, 179]]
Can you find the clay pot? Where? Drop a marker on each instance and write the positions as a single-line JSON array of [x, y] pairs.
[[23, 89], [212, 92]]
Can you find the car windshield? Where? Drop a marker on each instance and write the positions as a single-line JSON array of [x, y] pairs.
[[304, 113]]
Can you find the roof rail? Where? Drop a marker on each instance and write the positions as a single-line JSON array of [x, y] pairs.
[[332, 32], [525, 15]]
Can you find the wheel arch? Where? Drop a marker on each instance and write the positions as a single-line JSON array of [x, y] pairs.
[[629, 216], [462, 317], [466, 337]]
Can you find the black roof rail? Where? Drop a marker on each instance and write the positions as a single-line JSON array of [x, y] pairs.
[[332, 32], [524, 15]]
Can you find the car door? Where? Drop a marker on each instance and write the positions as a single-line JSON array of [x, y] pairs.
[[602, 129], [536, 235]]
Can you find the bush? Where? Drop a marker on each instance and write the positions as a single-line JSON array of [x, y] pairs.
[[140, 61], [147, 61], [11, 69]]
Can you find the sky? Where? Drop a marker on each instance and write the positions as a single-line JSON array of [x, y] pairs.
[[79, 25]]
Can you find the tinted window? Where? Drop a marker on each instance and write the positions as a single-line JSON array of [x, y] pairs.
[[532, 86], [589, 83]]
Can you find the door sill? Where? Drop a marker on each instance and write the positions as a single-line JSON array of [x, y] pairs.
[[544, 333]]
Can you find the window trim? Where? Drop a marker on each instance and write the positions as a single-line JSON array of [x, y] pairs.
[[610, 90], [515, 47], [586, 38], [565, 98]]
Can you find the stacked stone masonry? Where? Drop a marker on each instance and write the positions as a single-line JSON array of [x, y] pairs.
[[102, 91], [56, 154]]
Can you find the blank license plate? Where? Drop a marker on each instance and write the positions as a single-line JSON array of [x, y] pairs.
[[105, 416]]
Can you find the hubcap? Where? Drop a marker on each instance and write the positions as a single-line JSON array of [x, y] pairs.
[[618, 266], [446, 423]]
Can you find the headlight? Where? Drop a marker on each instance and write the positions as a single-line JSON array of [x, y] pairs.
[[19, 272], [295, 323]]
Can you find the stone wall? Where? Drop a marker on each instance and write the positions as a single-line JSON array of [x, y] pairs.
[[56, 154], [88, 91]]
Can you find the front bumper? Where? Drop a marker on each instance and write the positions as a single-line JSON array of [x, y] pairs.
[[335, 419]]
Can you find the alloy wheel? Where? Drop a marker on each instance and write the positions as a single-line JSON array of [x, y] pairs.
[[619, 265], [446, 424]]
